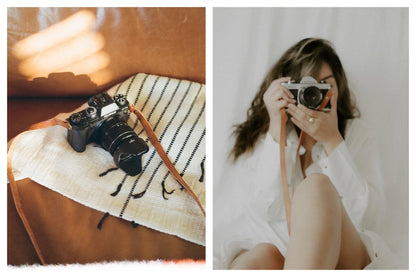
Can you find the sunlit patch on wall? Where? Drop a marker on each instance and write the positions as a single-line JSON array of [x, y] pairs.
[[72, 45]]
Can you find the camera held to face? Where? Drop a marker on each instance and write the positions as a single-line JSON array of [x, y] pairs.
[[105, 122], [309, 92]]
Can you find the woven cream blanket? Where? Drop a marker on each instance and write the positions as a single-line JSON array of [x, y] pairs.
[[176, 111]]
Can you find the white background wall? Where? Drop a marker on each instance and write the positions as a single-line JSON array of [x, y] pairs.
[[373, 46]]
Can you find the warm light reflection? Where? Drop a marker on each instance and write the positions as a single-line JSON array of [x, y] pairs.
[[63, 55], [71, 45], [72, 26], [101, 77], [89, 64]]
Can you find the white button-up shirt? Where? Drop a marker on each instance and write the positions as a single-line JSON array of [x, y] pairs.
[[249, 206]]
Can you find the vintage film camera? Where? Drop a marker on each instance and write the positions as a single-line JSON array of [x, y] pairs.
[[104, 122], [309, 92]]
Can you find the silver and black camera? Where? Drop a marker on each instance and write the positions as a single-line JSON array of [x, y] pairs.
[[104, 122], [309, 92]]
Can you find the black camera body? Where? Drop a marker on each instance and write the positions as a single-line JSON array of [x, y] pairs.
[[309, 92], [105, 122]]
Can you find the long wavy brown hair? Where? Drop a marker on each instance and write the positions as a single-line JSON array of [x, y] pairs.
[[305, 58]]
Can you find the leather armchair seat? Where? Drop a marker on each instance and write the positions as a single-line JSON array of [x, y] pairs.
[[57, 59]]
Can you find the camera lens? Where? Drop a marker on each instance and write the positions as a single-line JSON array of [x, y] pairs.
[[311, 97], [122, 142]]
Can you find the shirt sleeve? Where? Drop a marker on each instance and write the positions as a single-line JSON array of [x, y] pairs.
[[251, 186], [354, 169], [266, 178]]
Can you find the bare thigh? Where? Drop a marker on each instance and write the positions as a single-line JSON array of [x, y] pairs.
[[353, 253], [262, 256], [348, 250], [323, 235]]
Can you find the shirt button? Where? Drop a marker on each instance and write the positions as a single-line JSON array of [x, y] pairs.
[[375, 254]]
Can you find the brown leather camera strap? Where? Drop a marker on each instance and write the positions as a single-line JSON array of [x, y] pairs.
[[283, 170], [55, 121], [13, 185], [159, 148]]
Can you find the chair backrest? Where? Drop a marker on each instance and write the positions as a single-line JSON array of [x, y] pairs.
[[80, 51]]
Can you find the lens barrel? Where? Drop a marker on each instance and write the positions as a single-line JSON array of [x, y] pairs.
[[311, 97], [122, 142]]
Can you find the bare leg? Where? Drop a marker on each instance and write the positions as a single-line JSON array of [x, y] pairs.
[[322, 235], [262, 256]]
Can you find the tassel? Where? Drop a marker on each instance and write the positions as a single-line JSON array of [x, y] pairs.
[[201, 179], [105, 173], [134, 224], [182, 188], [138, 195], [118, 190], [100, 224], [165, 191]]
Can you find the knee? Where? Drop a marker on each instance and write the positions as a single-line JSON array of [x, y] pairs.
[[265, 256], [266, 250]]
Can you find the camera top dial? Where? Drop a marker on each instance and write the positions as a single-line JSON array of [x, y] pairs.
[[91, 112], [120, 99], [75, 118]]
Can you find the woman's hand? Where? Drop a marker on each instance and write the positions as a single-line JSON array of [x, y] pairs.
[[322, 126], [275, 98]]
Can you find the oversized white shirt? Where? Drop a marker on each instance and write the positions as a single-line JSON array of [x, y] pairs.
[[249, 206]]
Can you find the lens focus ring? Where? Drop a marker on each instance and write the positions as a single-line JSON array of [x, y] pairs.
[[310, 97]]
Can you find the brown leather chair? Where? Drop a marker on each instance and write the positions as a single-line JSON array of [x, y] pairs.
[[57, 59]]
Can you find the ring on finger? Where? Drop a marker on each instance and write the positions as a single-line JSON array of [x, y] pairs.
[[311, 120]]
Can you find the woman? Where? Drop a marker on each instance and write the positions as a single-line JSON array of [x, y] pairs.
[[338, 183]]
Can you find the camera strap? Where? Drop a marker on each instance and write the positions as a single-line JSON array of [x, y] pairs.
[[159, 148], [13, 185], [56, 121], [283, 170]]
